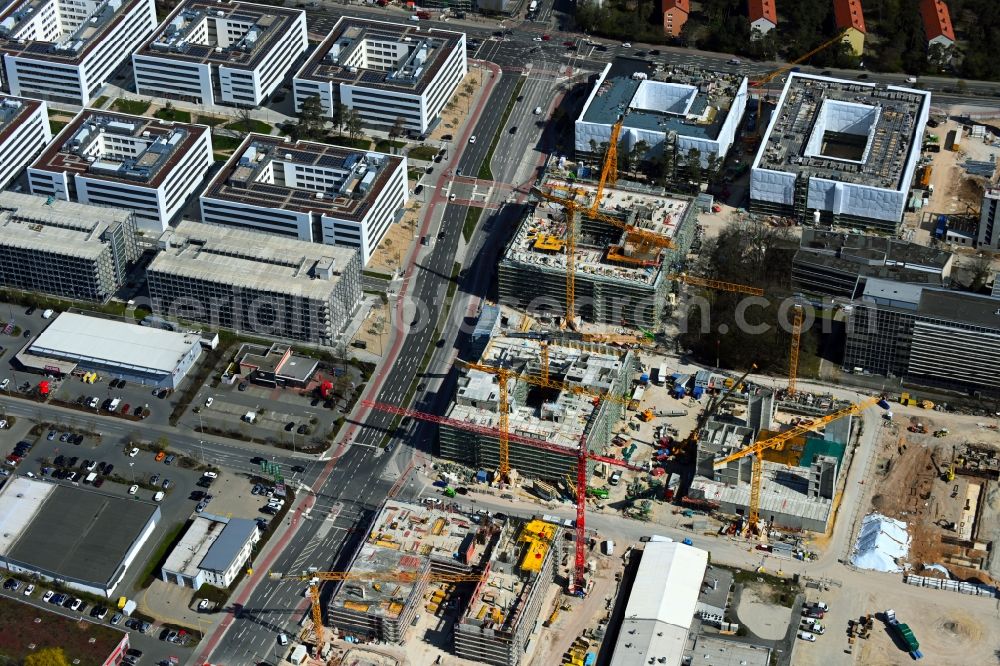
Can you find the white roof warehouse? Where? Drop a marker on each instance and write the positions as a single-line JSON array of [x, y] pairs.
[[142, 354]]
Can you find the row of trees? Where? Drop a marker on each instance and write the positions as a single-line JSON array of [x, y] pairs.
[[622, 19]]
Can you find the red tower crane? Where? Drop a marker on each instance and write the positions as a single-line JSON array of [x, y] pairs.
[[578, 586]]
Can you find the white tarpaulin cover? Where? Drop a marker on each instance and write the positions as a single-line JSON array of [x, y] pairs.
[[882, 542]]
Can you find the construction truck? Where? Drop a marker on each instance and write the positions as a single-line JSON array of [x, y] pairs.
[[645, 416], [904, 633]]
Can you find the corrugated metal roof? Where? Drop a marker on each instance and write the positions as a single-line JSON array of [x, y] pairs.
[[234, 536]]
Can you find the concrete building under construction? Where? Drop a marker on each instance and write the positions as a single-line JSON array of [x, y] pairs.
[[503, 611], [413, 539], [619, 279], [556, 419]]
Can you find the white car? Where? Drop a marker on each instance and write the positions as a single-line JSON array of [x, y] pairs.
[[29, 590], [211, 475], [209, 401], [626, 45], [133, 453], [451, 197], [472, 139], [203, 605], [76, 604], [537, 39], [48, 595], [133, 490], [3, 424], [806, 636], [4, 383], [282, 639], [822, 605]]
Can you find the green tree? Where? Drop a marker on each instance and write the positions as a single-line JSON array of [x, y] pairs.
[[354, 124], [311, 120], [338, 115], [692, 166], [53, 656]]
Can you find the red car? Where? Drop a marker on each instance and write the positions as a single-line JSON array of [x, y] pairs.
[[126, 408], [546, 38]]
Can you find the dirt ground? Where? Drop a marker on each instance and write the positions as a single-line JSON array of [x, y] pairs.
[[910, 488], [945, 637], [375, 329], [456, 111], [396, 243], [764, 618]]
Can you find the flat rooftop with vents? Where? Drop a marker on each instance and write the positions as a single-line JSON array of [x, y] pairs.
[[843, 149], [310, 191], [385, 71], [65, 50], [24, 133], [229, 52], [702, 107]]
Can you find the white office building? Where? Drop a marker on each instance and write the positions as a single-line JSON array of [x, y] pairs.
[[678, 110], [24, 132], [66, 50], [110, 159], [385, 71], [309, 191], [213, 551], [840, 152], [233, 53]]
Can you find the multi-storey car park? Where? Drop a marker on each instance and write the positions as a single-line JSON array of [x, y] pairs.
[[840, 152], [234, 53], [554, 418], [617, 281], [309, 191], [65, 249], [110, 159], [66, 50], [385, 72], [24, 132], [678, 109], [256, 283]]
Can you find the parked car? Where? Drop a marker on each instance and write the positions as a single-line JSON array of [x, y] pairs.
[[806, 636], [160, 456], [133, 453], [116, 618], [133, 490], [51, 435], [28, 591], [203, 605], [47, 597], [170, 459]]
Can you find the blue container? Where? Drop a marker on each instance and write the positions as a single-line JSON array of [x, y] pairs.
[[883, 404], [644, 378], [481, 476]]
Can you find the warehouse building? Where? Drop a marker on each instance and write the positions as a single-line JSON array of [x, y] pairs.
[[619, 279], [556, 421], [234, 53], [385, 72], [839, 152], [76, 536], [678, 109], [140, 354], [416, 540], [925, 336], [24, 132], [111, 159], [255, 283], [65, 51], [65, 249], [504, 608], [213, 551], [839, 264], [309, 191], [661, 605]]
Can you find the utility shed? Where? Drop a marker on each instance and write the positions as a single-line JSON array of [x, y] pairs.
[[661, 605]]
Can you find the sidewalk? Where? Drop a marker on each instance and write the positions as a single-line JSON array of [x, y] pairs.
[[286, 531]]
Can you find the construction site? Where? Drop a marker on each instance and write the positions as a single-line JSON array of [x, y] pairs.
[[623, 242], [942, 482]]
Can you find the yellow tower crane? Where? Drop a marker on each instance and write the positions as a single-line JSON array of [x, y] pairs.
[[316, 577], [718, 285], [793, 354], [757, 451]]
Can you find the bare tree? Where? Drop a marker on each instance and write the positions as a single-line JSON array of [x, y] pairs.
[[354, 124]]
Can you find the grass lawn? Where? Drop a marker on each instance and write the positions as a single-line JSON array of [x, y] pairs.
[[211, 121], [471, 220], [361, 144], [225, 142], [423, 153], [57, 125], [136, 107], [414, 174], [53, 630], [258, 126], [100, 101], [220, 157], [386, 146], [175, 115]]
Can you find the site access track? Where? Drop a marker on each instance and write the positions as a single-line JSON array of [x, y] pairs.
[[284, 536]]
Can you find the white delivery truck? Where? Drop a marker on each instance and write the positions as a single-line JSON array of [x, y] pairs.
[[608, 547]]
